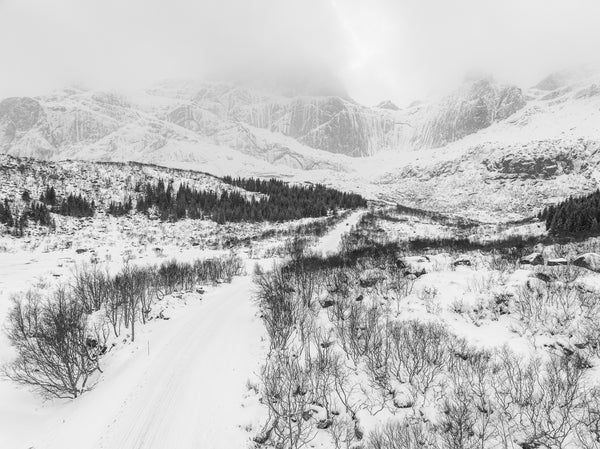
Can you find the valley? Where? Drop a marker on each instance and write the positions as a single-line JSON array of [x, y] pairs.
[[212, 265]]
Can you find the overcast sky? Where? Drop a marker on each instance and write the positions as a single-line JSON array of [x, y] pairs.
[[378, 49]]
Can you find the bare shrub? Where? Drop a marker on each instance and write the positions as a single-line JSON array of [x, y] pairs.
[[588, 422], [91, 287], [288, 397], [539, 400], [342, 432], [418, 352], [402, 435], [555, 307], [468, 412], [566, 274], [359, 330], [281, 312], [50, 336]]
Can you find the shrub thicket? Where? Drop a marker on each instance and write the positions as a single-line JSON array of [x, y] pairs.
[[60, 338]]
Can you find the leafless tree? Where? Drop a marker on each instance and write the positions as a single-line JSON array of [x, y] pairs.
[[91, 287], [54, 353], [288, 397]]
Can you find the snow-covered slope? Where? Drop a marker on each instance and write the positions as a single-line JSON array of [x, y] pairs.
[[486, 147], [547, 150], [195, 122]]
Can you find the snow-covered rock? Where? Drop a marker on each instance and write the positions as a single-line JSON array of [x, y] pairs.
[[532, 259], [591, 261]]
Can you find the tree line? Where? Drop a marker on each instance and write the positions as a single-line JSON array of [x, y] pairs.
[[575, 215], [276, 201], [17, 220], [282, 202]]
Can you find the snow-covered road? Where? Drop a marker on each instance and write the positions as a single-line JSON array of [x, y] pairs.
[[330, 242], [180, 385], [186, 393]]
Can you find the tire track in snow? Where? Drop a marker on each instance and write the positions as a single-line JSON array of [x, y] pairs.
[[189, 393]]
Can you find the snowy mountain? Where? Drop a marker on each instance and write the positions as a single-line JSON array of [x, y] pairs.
[[545, 151], [183, 121], [505, 139]]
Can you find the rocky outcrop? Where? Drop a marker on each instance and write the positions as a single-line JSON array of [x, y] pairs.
[[533, 166]]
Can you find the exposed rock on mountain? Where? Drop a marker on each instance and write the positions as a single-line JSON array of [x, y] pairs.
[[475, 106], [187, 118]]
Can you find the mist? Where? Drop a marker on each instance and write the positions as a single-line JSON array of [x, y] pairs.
[[382, 49]]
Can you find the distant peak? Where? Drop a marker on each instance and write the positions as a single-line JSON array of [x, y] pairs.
[[388, 104]]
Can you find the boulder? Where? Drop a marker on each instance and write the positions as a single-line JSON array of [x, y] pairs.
[[324, 423], [370, 278], [462, 261], [591, 261], [559, 261], [542, 277], [326, 303], [532, 259], [414, 265]]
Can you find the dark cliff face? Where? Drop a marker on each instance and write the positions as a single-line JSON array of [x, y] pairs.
[[475, 106], [538, 166], [335, 125], [329, 123]]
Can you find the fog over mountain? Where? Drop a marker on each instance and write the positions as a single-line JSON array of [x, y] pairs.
[[378, 50]]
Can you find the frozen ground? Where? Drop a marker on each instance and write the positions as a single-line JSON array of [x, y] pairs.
[[184, 382]]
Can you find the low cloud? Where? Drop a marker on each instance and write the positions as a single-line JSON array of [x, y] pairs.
[[396, 49]]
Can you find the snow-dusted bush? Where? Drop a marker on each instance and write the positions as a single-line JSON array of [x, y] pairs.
[[288, 397], [402, 435], [280, 311], [56, 351]]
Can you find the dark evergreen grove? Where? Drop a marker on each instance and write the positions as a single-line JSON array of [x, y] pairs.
[[72, 205], [279, 202], [310, 198], [118, 209], [575, 215], [17, 221], [6, 216], [75, 206], [283, 201]]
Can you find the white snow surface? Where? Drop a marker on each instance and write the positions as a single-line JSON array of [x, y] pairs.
[[179, 386], [183, 383]]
